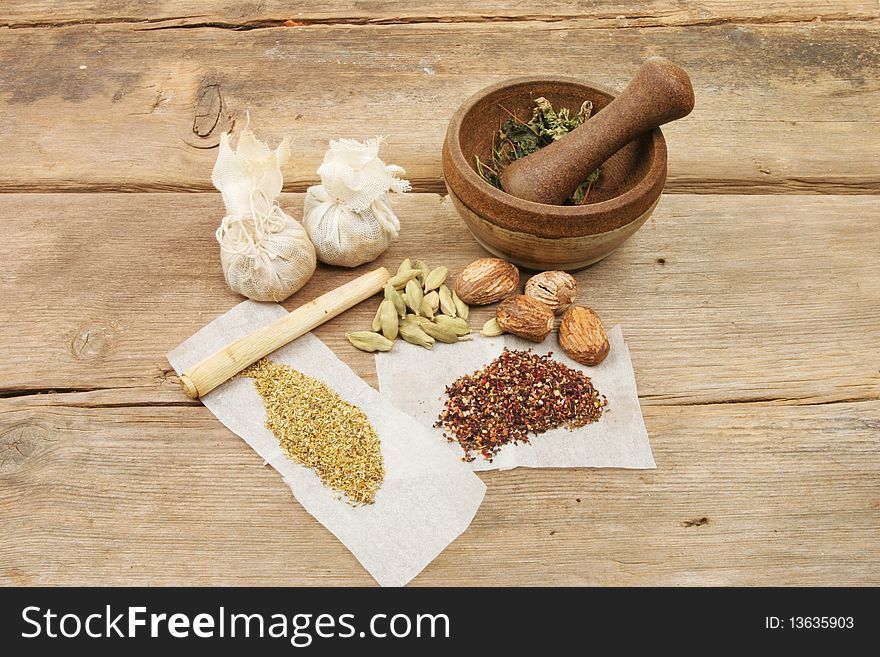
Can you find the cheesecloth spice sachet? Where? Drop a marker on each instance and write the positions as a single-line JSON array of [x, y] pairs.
[[266, 255], [347, 216]]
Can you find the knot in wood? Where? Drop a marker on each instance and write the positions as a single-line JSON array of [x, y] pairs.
[[91, 342], [19, 443], [210, 116]]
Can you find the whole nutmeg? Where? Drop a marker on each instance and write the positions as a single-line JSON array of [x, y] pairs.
[[557, 289], [526, 317], [486, 280], [582, 336]]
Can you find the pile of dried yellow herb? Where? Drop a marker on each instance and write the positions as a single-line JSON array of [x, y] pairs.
[[319, 429]]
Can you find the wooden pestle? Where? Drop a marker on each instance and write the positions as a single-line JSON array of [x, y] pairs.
[[659, 92], [221, 366]]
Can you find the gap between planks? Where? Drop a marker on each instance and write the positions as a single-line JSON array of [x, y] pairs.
[[79, 398], [793, 186], [623, 21]]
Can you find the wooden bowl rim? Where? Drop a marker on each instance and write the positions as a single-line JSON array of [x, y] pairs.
[[556, 220]]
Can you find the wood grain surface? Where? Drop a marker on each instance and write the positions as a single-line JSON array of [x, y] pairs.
[[780, 108], [750, 301], [753, 338], [723, 298], [231, 14], [102, 491]]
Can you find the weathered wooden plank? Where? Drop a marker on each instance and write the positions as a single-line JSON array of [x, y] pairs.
[[744, 494], [790, 108], [275, 12], [721, 297]]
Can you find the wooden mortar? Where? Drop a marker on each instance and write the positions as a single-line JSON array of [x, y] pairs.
[[543, 236]]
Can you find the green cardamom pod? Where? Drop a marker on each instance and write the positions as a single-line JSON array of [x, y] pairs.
[[447, 305], [425, 310], [399, 280], [394, 297], [433, 299], [369, 341], [405, 266], [415, 335], [388, 319], [454, 324], [423, 270], [414, 296], [415, 319], [492, 328], [408, 322], [436, 278], [377, 319], [461, 308], [440, 333]]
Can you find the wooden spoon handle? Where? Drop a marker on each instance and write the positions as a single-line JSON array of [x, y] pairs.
[[659, 92]]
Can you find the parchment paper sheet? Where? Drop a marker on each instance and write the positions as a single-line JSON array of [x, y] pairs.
[[414, 379], [428, 497]]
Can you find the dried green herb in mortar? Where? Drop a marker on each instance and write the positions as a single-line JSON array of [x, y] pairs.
[[516, 139]]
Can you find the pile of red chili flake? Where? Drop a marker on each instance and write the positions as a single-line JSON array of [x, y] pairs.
[[517, 394]]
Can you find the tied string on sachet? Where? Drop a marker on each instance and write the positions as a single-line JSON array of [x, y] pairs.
[[266, 255], [243, 235]]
